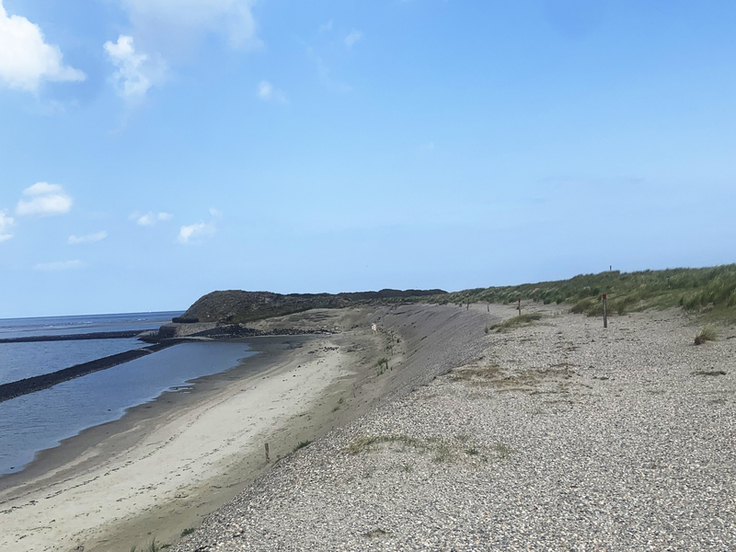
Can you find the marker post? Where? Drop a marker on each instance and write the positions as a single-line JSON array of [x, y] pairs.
[[605, 316]]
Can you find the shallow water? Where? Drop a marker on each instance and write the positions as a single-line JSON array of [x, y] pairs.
[[25, 360], [38, 421]]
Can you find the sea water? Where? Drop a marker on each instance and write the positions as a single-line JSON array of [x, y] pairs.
[[40, 420]]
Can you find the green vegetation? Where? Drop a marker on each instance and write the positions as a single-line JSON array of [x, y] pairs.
[[153, 546], [237, 307], [706, 334], [187, 531], [381, 365], [302, 444], [710, 291], [516, 321]]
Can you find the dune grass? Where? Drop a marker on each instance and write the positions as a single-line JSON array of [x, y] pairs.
[[707, 291], [708, 333], [517, 321]]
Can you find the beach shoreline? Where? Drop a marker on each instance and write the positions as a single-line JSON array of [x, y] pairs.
[[168, 464], [45, 490]]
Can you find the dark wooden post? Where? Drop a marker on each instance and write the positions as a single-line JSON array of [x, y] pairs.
[[519, 307], [605, 316], [268, 459]]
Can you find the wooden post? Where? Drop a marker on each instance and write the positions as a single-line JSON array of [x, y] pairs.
[[519, 307], [605, 316], [268, 459]]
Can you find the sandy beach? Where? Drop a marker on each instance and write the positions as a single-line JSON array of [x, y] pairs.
[[167, 464], [559, 435]]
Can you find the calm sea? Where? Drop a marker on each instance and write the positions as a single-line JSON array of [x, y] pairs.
[[38, 421]]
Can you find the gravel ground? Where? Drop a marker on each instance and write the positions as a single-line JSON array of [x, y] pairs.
[[556, 436]]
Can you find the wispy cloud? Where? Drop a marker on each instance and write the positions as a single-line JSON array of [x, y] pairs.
[[176, 24], [195, 233], [150, 218], [267, 92], [326, 27], [5, 223], [74, 240], [58, 265], [136, 72], [25, 58], [45, 199], [353, 37]]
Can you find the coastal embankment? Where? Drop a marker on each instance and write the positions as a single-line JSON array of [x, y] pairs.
[[441, 430], [168, 464], [553, 434]]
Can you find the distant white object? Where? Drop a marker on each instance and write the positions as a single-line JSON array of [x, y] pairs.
[[374, 328]]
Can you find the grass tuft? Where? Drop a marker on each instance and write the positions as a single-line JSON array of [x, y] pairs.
[[302, 444], [517, 321], [382, 365], [706, 334]]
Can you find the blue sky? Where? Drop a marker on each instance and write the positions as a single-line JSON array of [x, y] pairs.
[[155, 150]]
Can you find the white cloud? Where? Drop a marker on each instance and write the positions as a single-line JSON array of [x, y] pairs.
[[150, 218], [25, 59], [326, 27], [42, 188], [58, 265], [73, 240], [215, 212], [136, 72], [173, 24], [267, 92], [194, 232], [353, 37], [5, 223], [46, 199]]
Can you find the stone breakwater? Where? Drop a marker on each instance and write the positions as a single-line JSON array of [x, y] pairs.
[[556, 436], [44, 381], [75, 337]]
